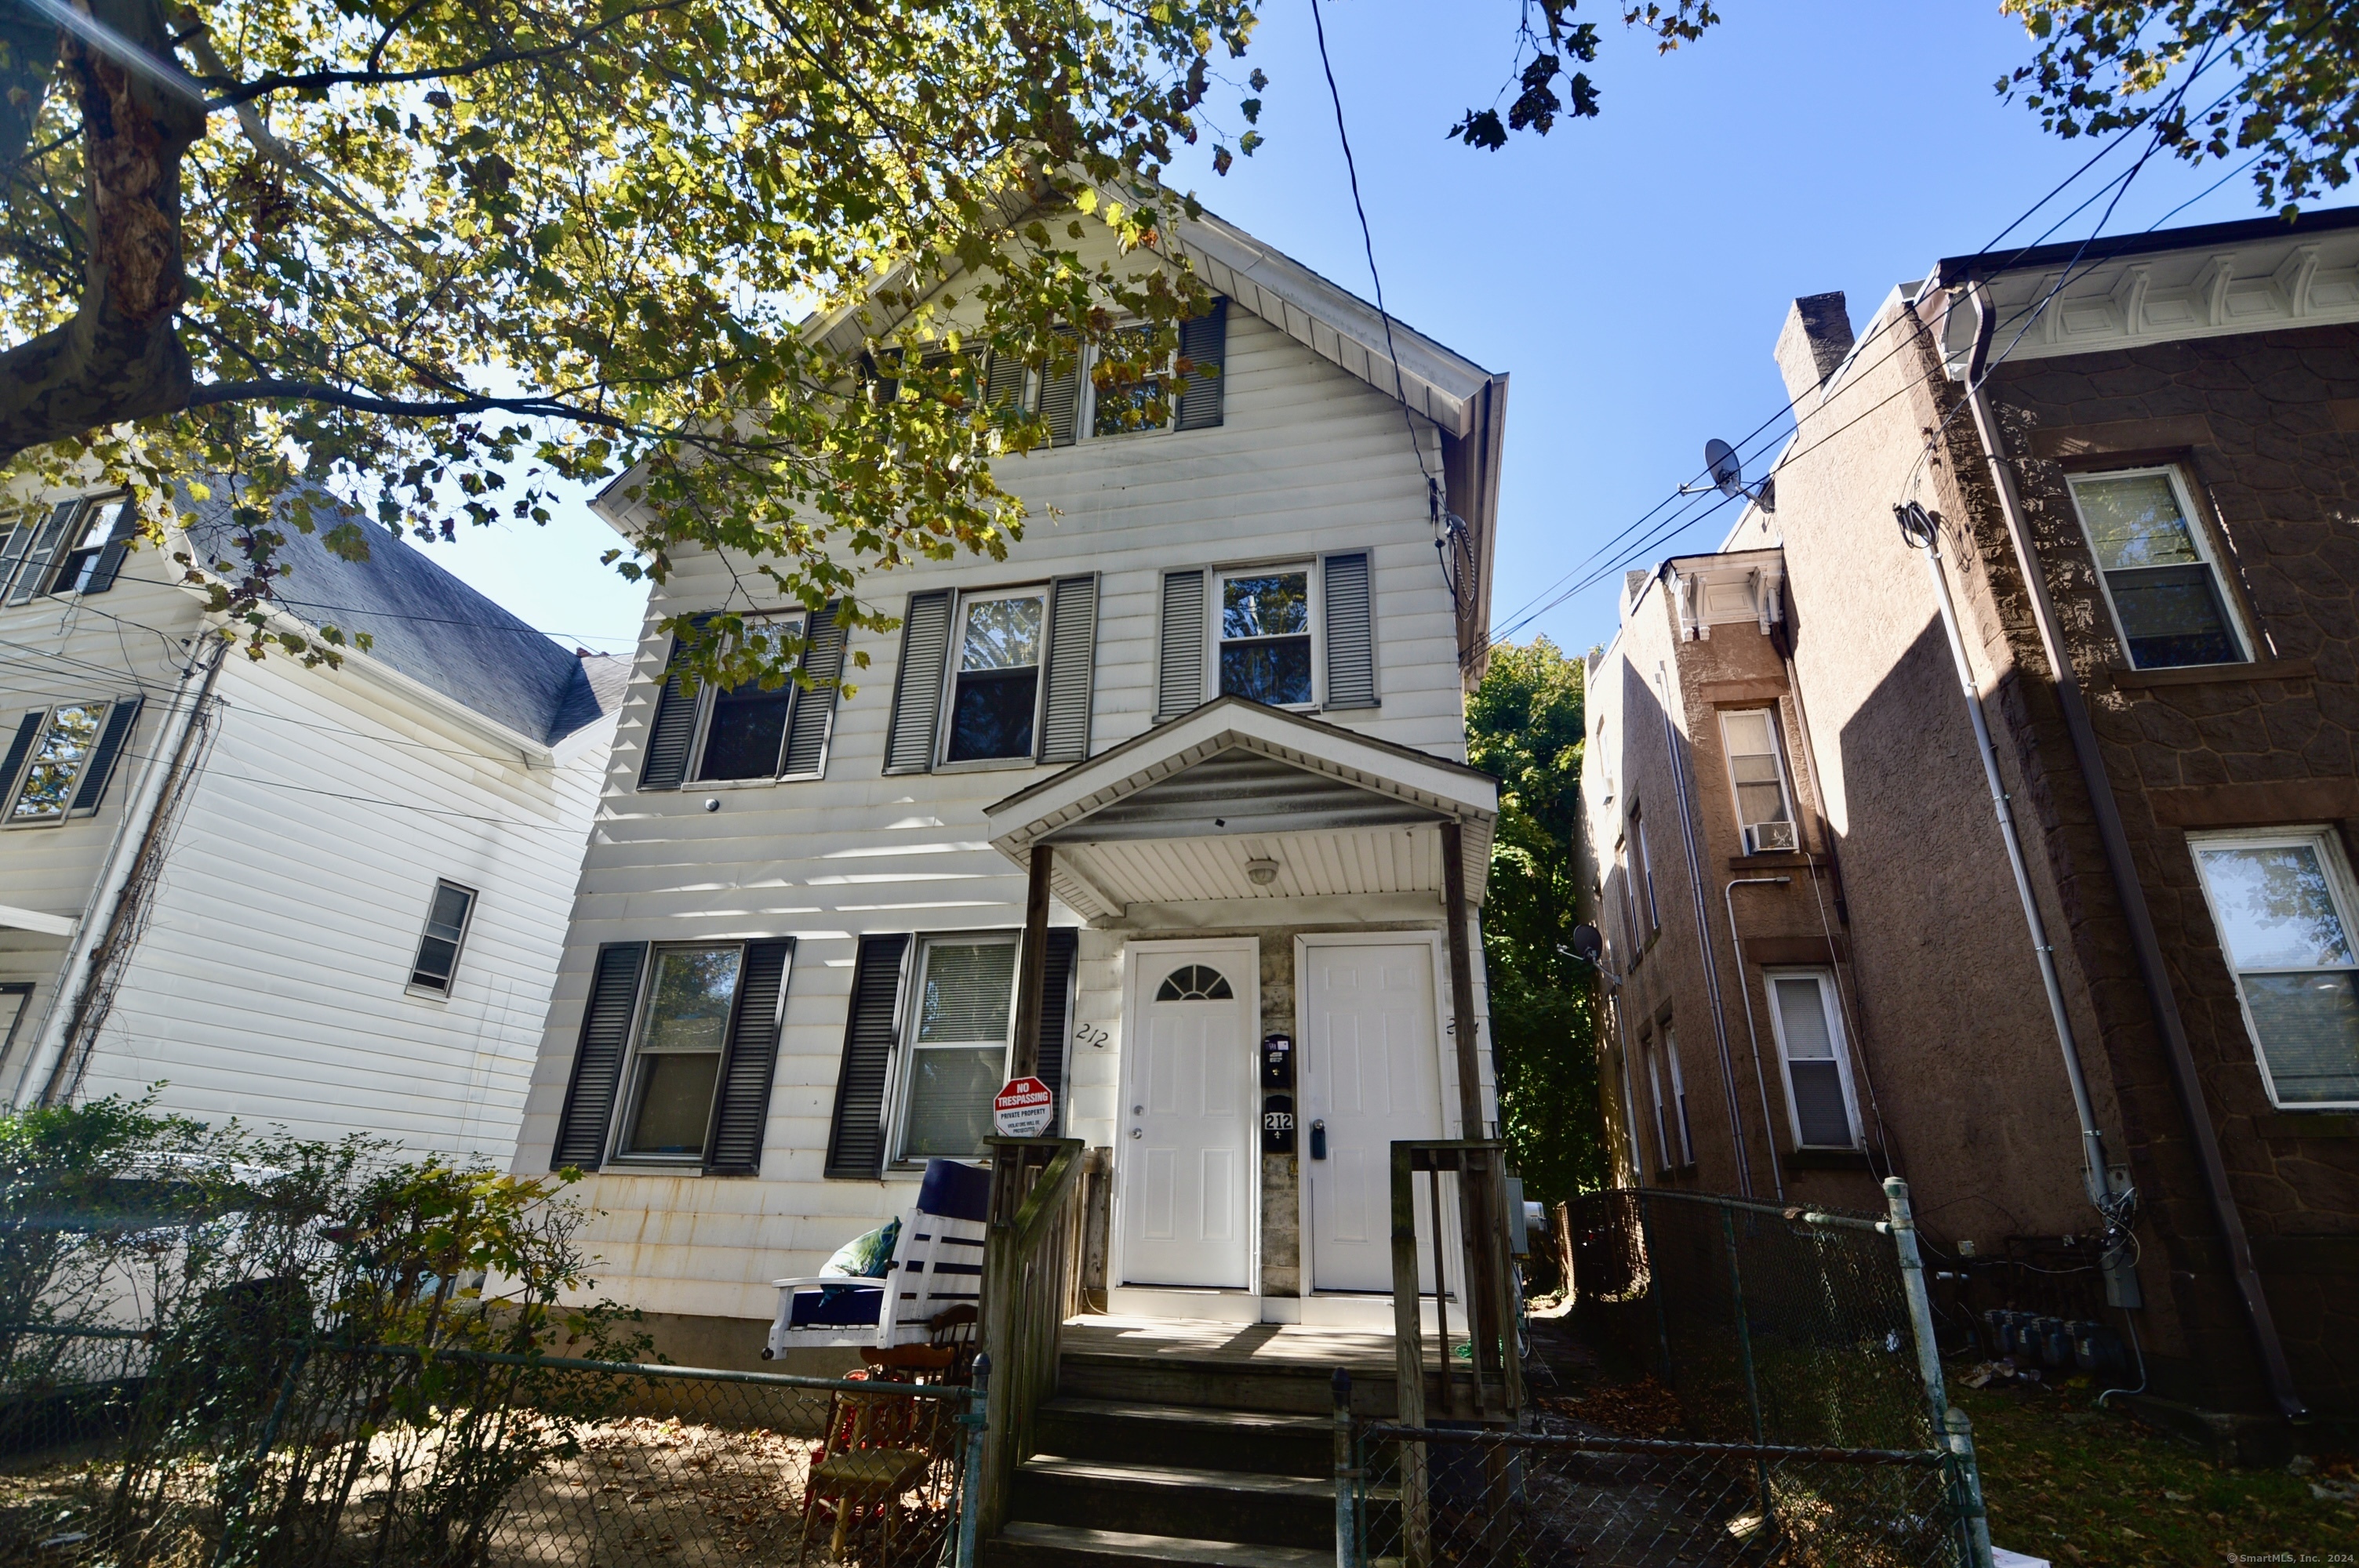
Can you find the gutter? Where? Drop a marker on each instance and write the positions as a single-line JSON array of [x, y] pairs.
[[2127, 889]]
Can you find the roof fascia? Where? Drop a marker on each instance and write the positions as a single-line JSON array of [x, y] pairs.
[[1954, 270]]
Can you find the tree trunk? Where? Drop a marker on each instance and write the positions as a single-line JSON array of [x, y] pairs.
[[120, 357]]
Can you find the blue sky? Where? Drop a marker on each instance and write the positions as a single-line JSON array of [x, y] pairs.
[[1630, 272]]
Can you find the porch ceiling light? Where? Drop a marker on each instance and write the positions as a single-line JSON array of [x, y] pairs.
[[1261, 873]]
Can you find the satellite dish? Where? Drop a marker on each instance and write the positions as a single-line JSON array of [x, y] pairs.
[[1727, 473], [1588, 942]]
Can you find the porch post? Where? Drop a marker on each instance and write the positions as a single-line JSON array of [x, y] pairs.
[[1480, 1190], [1032, 959]]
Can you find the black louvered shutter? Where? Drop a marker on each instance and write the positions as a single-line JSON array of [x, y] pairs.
[[917, 684], [855, 1144], [1003, 388], [741, 1106], [598, 1057], [109, 565], [672, 732], [111, 741], [44, 550], [1060, 400], [1206, 341], [815, 705], [1179, 674], [1351, 633], [1056, 1030], [23, 743], [1072, 656]]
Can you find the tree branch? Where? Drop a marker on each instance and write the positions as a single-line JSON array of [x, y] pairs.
[[316, 81]]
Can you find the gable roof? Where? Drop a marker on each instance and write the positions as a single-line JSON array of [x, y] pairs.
[[423, 622], [1466, 403]]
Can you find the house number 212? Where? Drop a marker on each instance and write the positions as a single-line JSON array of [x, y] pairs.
[[1090, 1036]]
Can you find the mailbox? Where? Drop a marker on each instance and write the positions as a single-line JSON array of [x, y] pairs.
[[1278, 1063], [1278, 1124]]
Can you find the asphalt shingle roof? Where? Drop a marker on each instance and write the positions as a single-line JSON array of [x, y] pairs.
[[423, 621]]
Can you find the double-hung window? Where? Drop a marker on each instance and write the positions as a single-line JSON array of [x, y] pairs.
[[745, 726], [1127, 386], [446, 932], [994, 698], [2161, 570], [959, 1042], [67, 740], [101, 533], [2282, 904], [1765, 810], [1267, 639], [1678, 1096], [676, 1066], [1804, 1016], [1642, 866], [1673, 1144], [1663, 1160]]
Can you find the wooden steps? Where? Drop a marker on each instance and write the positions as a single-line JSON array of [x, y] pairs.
[[1195, 1446]]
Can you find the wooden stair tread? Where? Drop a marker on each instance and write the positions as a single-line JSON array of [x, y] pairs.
[[1057, 1466], [1166, 1548], [1204, 1415]]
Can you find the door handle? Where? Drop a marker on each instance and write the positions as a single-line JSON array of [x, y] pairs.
[[1134, 1132], [1318, 1139]]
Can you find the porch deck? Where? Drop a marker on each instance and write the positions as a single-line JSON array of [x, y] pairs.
[[1249, 1345]]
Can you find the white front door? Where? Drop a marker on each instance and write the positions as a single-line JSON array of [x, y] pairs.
[[1371, 1070], [1186, 1144]]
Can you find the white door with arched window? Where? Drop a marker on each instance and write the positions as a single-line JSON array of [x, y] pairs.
[[1186, 1158]]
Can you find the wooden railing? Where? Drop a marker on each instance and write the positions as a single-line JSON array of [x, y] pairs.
[[1031, 1284]]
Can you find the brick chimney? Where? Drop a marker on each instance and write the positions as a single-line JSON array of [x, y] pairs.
[[1816, 339]]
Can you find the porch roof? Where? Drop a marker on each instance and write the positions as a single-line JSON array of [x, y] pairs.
[[1181, 813]]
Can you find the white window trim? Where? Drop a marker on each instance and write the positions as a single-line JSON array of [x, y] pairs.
[[1643, 862], [627, 1101], [708, 694], [1670, 1039], [1830, 1008], [960, 601], [2341, 888], [1653, 1049], [2199, 529], [1314, 584], [1776, 760], [904, 1079], [458, 948], [15, 786]]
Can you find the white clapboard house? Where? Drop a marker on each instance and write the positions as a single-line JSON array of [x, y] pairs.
[[330, 900], [1222, 679]]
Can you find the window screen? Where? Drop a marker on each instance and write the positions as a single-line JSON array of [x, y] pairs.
[[2281, 905], [1816, 1075], [1266, 636], [2157, 569], [996, 697], [1754, 771], [678, 1059], [958, 1058], [446, 928]]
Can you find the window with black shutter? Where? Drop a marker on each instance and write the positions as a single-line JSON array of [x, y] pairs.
[[101, 537], [1203, 351], [1072, 670], [671, 733], [741, 1108], [1350, 631], [1056, 1016], [855, 1144], [62, 758], [917, 683], [606, 1016]]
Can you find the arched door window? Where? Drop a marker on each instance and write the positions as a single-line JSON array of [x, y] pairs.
[[1194, 982]]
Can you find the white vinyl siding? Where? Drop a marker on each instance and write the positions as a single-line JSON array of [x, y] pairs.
[[2282, 904]]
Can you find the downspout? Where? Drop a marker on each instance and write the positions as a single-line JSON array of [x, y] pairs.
[[114, 874], [2127, 889], [1703, 931], [1768, 1122]]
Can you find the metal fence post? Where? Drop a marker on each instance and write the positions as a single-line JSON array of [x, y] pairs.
[[1744, 1355], [971, 1485], [1965, 1475], [1347, 1475], [1654, 1282]]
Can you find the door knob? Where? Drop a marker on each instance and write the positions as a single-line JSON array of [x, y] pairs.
[[1135, 1133], [1318, 1139]]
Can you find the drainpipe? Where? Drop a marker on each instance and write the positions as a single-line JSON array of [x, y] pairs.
[[1768, 1122], [106, 892], [1920, 530], [2127, 889], [1703, 931]]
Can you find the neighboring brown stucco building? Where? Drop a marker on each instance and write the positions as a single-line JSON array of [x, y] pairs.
[[2177, 423]]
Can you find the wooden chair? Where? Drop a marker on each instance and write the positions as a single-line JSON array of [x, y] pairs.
[[953, 1329], [879, 1448]]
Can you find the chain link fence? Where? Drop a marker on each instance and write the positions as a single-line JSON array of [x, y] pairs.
[[1523, 1500], [124, 1450]]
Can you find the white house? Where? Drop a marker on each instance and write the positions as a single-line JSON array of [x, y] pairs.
[[331, 900], [1222, 678]]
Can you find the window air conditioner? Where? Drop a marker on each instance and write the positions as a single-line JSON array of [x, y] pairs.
[[1763, 836]]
